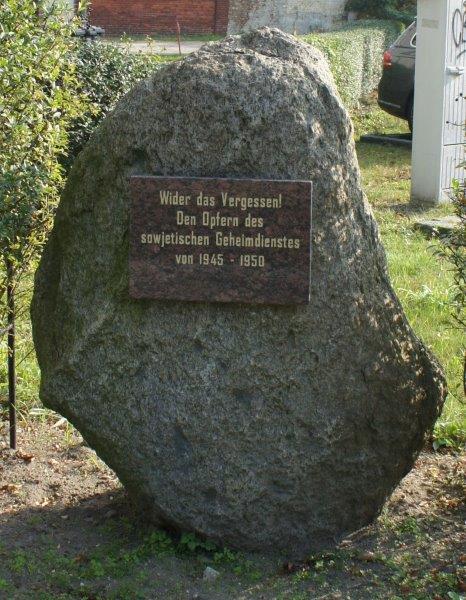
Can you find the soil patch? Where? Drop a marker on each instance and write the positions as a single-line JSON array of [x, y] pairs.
[[68, 530]]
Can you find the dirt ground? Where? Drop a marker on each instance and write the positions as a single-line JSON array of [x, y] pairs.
[[67, 530]]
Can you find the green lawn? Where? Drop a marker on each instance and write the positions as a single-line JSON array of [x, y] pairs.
[[421, 280]]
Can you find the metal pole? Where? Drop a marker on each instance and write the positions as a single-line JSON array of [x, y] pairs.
[[11, 353], [215, 15], [178, 34]]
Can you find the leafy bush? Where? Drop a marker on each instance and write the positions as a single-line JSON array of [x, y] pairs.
[[54, 91], [453, 249], [355, 55], [39, 96], [105, 72], [398, 10]]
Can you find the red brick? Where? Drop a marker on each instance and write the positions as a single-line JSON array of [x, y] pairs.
[[160, 16]]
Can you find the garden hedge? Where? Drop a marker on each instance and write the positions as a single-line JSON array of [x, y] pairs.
[[105, 73], [354, 53]]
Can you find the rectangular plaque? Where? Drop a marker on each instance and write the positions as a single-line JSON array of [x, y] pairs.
[[220, 240]]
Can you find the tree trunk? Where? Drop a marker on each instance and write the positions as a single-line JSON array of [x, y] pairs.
[[11, 352]]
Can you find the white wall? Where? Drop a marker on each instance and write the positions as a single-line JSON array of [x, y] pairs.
[[439, 108], [289, 15]]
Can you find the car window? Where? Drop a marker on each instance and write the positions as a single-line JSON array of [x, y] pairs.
[[406, 38]]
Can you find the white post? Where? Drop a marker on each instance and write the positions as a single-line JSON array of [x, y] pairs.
[[439, 106]]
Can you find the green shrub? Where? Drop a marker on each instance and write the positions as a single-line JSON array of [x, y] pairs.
[[355, 55], [345, 55], [106, 72], [453, 250], [39, 98]]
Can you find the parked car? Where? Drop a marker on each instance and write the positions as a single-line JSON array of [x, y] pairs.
[[396, 88], [87, 31], [90, 32]]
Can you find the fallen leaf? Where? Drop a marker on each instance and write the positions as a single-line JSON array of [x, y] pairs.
[[290, 567], [81, 559], [367, 556]]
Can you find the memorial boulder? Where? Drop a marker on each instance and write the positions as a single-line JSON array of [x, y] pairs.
[[269, 404]]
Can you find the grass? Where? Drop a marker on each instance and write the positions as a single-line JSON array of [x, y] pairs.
[[130, 564], [127, 556], [422, 281], [170, 57], [27, 369]]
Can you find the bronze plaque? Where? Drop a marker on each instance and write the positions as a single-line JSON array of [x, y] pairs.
[[220, 240]]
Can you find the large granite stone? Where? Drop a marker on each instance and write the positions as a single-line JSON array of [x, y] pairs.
[[271, 428]]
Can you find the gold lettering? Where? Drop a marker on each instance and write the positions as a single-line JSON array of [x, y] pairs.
[[244, 202], [213, 220], [257, 241], [251, 221], [182, 219], [208, 201], [184, 259], [173, 198]]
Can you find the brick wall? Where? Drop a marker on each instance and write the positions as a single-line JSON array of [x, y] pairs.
[[160, 16]]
